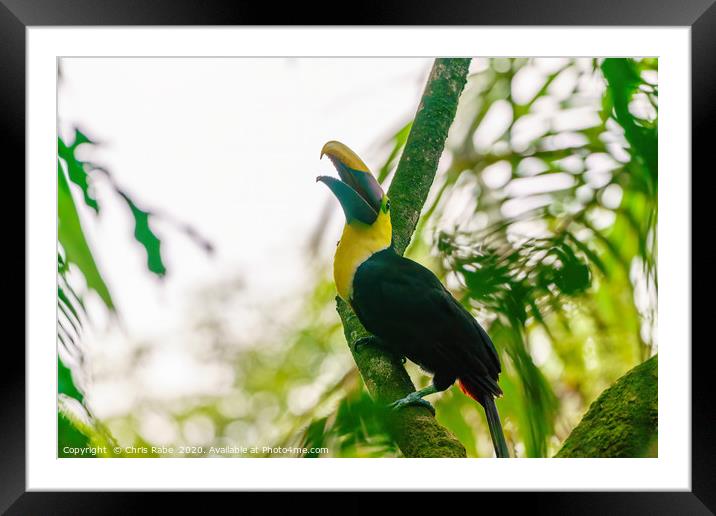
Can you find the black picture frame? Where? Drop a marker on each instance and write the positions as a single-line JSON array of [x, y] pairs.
[[17, 15]]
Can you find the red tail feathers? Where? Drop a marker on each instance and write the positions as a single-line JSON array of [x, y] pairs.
[[480, 388], [469, 389], [485, 398]]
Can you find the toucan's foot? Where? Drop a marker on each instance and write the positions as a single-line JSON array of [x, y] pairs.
[[412, 399]]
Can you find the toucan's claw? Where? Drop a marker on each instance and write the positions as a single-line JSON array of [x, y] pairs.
[[411, 399]]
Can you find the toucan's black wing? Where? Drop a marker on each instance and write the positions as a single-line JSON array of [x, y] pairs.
[[405, 304]]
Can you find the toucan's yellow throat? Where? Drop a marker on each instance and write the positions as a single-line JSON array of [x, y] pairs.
[[367, 210]]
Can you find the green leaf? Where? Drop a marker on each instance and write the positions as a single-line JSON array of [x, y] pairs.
[[76, 325], [79, 421], [80, 138], [623, 79], [69, 437], [78, 174], [315, 436], [73, 241], [76, 169], [591, 255], [77, 428], [539, 401], [75, 300], [67, 304], [398, 141], [65, 383], [146, 237], [61, 264], [573, 277]]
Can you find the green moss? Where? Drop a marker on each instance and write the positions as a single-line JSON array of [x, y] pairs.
[[623, 421]]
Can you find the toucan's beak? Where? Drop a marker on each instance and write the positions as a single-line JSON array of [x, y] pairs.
[[358, 191]]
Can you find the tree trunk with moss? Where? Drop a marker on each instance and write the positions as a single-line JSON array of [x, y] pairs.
[[623, 421], [414, 429]]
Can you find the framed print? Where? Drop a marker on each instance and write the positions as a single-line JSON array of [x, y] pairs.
[[460, 233]]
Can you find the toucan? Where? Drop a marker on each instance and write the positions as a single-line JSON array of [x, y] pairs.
[[402, 303]]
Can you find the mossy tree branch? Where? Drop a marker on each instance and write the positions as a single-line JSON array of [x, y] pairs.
[[414, 429], [623, 421]]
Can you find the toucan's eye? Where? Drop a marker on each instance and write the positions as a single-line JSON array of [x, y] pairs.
[[387, 205]]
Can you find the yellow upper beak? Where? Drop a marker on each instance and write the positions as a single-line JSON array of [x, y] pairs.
[[336, 150]]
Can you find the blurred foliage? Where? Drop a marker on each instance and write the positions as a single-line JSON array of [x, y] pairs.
[[555, 244], [79, 173], [542, 221], [76, 425]]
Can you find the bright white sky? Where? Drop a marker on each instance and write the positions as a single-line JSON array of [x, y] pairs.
[[230, 146]]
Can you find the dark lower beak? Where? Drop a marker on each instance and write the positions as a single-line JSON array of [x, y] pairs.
[[359, 193], [354, 206], [362, 182]]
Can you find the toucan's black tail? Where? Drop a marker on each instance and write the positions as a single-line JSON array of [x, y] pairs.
[[493, 418], [493, 421]]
